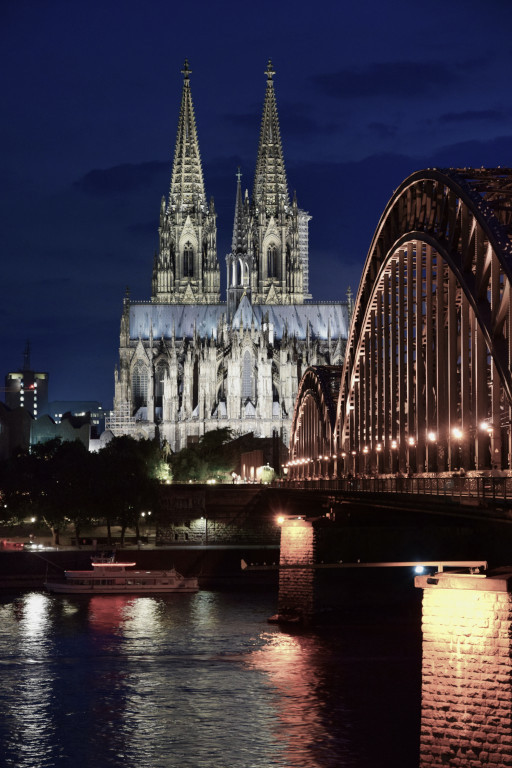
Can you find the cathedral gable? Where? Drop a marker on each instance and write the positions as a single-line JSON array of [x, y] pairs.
[[272, 231], [188, 296], [188, 234], [272, 297], [140, 353]]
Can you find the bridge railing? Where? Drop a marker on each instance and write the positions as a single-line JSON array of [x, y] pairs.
[[499, 488]]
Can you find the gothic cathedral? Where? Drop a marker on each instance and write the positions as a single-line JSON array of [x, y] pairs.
[[189, 362]]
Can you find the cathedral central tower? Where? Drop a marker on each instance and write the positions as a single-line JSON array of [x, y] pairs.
[[186, 270]]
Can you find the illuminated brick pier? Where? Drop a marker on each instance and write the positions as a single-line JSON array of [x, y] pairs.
[[296, 585], [466, 717]]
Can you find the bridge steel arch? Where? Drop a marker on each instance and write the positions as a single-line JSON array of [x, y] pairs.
[[426, 383], [312, 449]]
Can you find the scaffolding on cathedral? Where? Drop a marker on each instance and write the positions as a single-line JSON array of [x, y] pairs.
[[120, 421]]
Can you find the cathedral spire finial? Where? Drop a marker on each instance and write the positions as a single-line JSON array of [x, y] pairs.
[[270, 71], [186, 71]]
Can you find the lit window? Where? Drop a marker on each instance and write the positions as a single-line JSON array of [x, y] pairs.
[[139, 384], [188, 261], [247, 378], [272, 261]]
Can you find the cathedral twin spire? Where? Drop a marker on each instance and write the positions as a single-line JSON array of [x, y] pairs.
[[265, 262], [187, 184], [270, 186]]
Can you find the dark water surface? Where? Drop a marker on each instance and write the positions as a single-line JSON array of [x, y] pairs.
[[200, 681]]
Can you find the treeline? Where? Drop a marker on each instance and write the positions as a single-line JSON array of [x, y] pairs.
[[59, 483], [213, 457]]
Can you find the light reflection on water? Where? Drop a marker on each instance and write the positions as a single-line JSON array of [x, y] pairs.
[[291, 664], [182, 680]]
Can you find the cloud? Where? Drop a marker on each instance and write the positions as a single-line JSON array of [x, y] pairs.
[[129, 177], [490, 115], [490, 153], [403, 79], [143, 227], [382, 130]]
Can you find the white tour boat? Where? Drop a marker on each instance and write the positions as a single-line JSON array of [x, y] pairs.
[[108, 577]]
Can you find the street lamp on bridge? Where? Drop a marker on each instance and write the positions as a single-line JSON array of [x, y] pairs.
[[458, 436], [378, 449], [430, 454], [411, 445]]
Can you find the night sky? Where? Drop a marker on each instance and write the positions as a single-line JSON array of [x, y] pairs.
[[367, 93]]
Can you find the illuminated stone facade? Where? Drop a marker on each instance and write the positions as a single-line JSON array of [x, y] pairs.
[[466, 711], [190, 363]]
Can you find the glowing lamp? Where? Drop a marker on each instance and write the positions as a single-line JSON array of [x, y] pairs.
[[280, 520]]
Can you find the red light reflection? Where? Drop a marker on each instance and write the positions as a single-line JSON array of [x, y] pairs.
[[107, 612], [291, 664]]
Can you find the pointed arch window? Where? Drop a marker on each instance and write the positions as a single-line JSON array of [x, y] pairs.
[[161, 372], [188, 260], [195, 384], [272, 261], [139, 385], [247, 376]]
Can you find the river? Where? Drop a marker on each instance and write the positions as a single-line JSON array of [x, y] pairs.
[[201, 681]]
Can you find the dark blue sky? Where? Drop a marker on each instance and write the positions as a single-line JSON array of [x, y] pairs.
[[367, 93]]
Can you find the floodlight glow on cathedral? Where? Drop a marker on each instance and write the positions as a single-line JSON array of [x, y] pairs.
[[189, 362]]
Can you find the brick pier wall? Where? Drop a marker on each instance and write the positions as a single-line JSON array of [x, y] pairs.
[[466, 713], [297, 585]]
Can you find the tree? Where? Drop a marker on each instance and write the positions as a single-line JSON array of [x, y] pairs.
[[128, 473], [209, 458], [72, 493], [50, 483]]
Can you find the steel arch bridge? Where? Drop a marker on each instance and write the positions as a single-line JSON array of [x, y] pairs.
[[426, 384], [314, 421]]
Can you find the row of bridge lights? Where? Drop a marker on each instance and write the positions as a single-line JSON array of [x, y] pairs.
[[457, 433]]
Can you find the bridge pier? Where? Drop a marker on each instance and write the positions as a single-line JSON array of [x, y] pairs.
[[296, 600], [466, 710]]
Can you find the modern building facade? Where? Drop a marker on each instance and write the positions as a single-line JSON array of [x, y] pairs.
[[189, 362], [27, 388]]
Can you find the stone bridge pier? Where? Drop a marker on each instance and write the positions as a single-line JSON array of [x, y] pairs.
[[296, 572], [466, 705], [466, 710]]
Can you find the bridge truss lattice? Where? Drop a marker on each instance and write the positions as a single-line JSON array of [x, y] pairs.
[[426, 383]]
